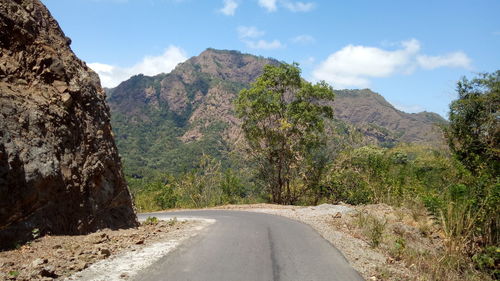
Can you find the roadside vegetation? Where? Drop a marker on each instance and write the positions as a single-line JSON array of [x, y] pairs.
[[294, 157]]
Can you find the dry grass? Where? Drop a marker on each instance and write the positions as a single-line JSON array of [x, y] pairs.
[[408, 236]]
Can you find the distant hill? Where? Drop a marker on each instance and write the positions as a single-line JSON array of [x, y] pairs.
[[370, 112], [168, 121]]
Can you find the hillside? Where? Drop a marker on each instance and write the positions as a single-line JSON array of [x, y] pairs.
[[370, 112], [168, 121]]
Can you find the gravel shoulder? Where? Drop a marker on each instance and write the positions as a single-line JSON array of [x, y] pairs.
[[90, 257], [103, 255], [342, 226]]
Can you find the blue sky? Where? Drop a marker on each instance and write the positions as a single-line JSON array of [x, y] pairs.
[[411, 52]]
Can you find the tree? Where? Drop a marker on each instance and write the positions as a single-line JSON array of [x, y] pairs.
[[283, 123], [474, 130], [474, 138]]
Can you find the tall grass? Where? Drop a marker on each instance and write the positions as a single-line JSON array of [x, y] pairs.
[[463, 205]]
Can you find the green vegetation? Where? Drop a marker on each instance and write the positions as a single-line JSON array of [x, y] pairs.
[[373, 227], [487, 260], [460, 188], [296, 154], [474, 133], [204, 186], [150, 138], [151, 221], [284, 129]]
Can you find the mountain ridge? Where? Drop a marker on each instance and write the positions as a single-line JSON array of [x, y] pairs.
[[193, 106]]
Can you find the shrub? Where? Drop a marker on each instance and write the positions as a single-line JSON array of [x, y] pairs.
[[151, 221], [488, 260], [372, 227]]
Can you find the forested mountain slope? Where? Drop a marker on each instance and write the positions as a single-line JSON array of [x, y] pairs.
[[166, 122]]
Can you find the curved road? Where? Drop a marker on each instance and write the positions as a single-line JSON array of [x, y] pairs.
[[246, 246]]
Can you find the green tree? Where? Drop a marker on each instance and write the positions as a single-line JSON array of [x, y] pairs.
[[474, 138], [283, 122], [474, 131]]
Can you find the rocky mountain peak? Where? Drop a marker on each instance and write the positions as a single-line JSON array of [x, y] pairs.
[[187, 86], [226, 64]]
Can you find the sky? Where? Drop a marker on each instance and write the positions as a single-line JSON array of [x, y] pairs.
[[411, 52]]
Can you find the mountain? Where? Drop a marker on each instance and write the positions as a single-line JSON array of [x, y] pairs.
[[59, 167], [168, 121], [372, 114]]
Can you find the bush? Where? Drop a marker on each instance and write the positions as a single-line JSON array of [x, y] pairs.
[[151, 221], [488, 260], [207, 185]]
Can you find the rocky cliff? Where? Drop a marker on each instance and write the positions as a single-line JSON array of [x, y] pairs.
[[60, 172]]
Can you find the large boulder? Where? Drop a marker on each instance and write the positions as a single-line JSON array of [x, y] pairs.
[[60, 172]]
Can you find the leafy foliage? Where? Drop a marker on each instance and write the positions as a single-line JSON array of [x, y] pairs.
[[474, 138], [474, 131], [283, 124], [488, 260], [379, 175], [207, 185]]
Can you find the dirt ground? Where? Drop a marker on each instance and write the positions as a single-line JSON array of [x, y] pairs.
[[349, 228], [57, 257]]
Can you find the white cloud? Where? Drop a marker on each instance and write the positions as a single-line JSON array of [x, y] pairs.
[[303, 39], [229, 7], [249, 32], [265, 45], [294, 6], [299, 6], [456, 59], [112, 75], [269, 5], [101, 67], [353, 66]]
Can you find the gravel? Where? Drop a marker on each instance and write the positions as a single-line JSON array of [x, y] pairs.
[[129, 263], [336, 223], [111, 253]]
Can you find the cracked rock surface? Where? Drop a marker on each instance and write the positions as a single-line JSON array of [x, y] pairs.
[[60, 172]]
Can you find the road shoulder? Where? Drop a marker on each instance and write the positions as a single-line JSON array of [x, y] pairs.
[[103, 255]]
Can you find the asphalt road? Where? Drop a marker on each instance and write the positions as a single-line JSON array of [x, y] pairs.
[[245, 246]]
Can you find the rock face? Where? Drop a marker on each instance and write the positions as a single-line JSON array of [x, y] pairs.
[[60, 171]]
